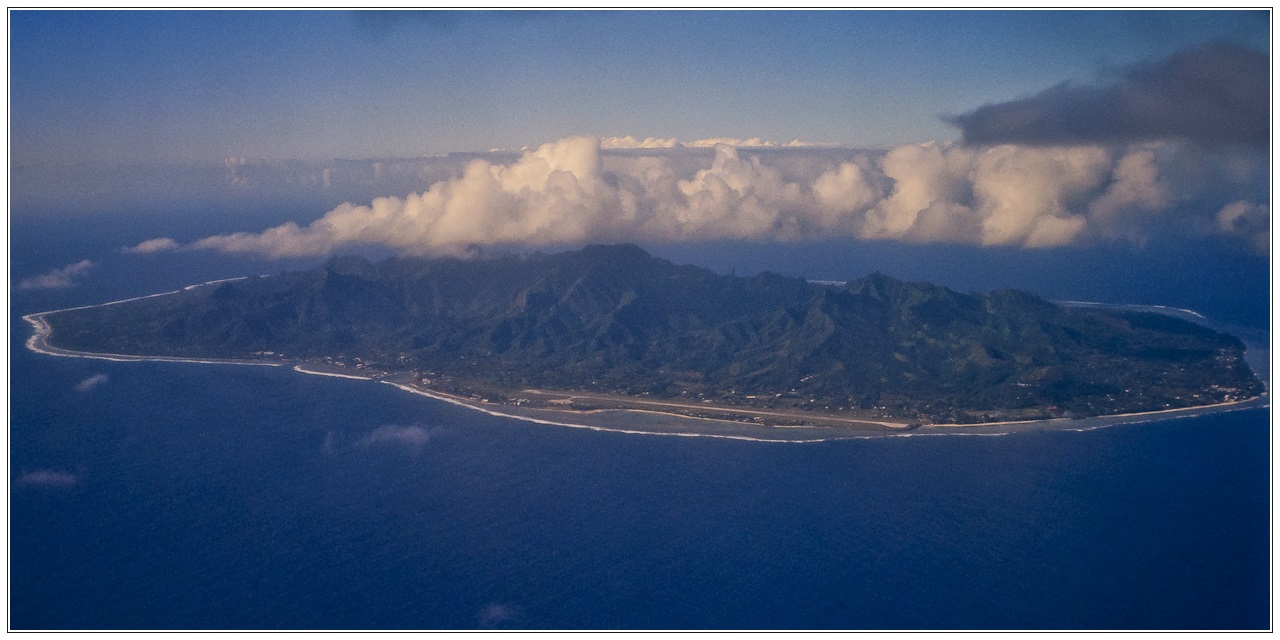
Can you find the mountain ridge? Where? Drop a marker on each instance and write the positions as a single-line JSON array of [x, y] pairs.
[[614, 318]]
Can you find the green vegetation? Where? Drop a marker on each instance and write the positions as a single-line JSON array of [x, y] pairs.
[[613, 319]]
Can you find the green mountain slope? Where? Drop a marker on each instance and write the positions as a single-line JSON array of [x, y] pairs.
[[615, 319]]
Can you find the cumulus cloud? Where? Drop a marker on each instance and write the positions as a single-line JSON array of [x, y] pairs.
[[47, 478], [1217, 94], [569, 191], [1248, 221], [413, 437], [153, 245], [58, 278], [92, 382]]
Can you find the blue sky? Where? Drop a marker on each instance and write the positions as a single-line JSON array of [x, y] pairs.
[[174, 86], [1138, 139]]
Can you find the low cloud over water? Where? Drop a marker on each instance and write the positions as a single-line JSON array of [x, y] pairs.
[[92, 382], [413, 437], [60, 278]]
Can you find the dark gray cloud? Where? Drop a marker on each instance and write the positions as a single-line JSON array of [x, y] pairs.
[[1217, 94]]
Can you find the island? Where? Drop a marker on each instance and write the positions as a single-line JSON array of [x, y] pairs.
[[610, 327]]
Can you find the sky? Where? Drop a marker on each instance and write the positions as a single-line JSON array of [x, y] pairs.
[[1143, 134], [156, 87]]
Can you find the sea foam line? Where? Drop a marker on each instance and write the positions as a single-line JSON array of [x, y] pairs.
[[38, 344], [1081, 303], [38, 340], [328, 374]]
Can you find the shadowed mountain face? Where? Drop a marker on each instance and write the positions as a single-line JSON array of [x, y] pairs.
[[613, 318]]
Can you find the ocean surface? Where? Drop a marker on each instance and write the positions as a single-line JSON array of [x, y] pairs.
[[151, 495]]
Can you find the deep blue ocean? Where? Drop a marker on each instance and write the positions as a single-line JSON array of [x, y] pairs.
[[147, 495]]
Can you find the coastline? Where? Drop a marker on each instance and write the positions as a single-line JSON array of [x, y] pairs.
[[641, 421], [646, 421], [38, 342]]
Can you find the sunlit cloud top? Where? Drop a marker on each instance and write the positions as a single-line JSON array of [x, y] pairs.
[[569, 191]]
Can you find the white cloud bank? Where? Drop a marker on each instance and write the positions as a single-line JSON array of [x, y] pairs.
[[57, 278], [568, 192]]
